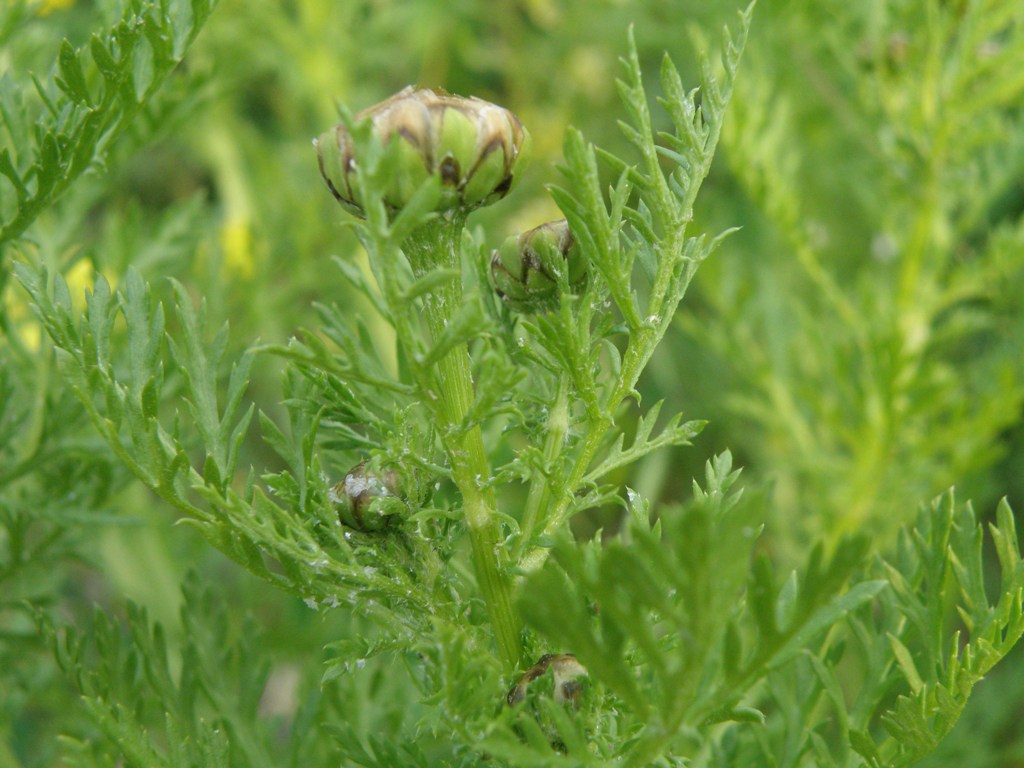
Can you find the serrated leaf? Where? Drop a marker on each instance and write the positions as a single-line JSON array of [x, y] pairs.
[[673, 434], [78, 126], [145, 330]]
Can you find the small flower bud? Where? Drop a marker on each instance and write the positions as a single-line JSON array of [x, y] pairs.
[[367, 500], [473, 146], [525, 270], [555, 677], [568, 678]]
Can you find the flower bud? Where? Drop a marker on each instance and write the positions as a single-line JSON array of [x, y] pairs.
[[525, 270], [568, 680], [557, 678], [367, 500], [473, 146]]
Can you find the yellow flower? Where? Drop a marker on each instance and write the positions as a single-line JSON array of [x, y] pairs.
[[235, 237], [22, 322], [49, 6], [80, 278], [236, 245]]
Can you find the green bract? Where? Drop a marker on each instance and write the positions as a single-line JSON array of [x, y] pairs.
[[525, 270], [367, 500], [471, 144]]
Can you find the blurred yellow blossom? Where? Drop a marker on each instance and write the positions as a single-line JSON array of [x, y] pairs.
[[590, 70], [22, 323], [543, 13], [236, 245], [546, 127], [233, 183], [49, 6], [80, 278]]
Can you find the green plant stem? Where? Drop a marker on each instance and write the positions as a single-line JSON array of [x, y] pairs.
[[539, 496], [633, 363], [436, 245]]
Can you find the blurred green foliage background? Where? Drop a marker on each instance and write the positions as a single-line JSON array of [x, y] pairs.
[[857, 345]]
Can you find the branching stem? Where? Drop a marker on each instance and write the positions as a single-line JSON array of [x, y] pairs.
[[436, 245]]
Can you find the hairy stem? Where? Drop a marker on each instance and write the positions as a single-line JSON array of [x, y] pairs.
[[436, 245]]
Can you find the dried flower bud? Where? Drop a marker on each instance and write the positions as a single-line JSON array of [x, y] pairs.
[[472, 145], [525, 270], [367, 500], [568, 679]]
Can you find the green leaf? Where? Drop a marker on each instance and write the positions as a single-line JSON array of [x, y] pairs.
[[72, 79], [906, 662], [103, 60], [80, 125], [826, 617], [7, 169], [145, 332], [1004, 536], [864, 745], [674, 433], [736, 715]]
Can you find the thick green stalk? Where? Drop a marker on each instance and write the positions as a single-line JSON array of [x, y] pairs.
[[436, 246]]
